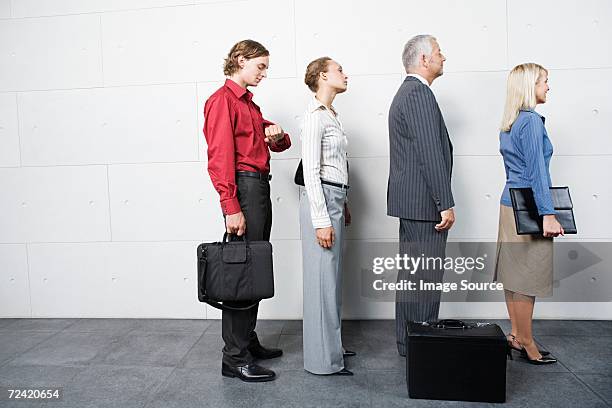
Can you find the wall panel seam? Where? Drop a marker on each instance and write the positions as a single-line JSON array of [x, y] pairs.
[[110, 216], [86, 13], [18, 128], [28, 271], [101, 50]]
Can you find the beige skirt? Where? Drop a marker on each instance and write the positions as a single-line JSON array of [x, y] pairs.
[[524, 263]]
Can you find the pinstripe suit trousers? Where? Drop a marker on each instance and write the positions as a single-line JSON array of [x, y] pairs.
[[418, 239], [322, 271]]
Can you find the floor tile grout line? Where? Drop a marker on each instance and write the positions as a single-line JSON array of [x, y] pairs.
[[30, 349], [569, 370], [165, 380], [590, 389]]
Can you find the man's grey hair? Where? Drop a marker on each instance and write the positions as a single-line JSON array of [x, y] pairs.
[[418, 45]]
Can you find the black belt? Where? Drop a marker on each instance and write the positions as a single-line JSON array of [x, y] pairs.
[[254, 174], [331, 183]]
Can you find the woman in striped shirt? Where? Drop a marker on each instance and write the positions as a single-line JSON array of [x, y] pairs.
[[323, 216]]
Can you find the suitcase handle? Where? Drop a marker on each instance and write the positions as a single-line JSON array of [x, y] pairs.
[[451, 324]]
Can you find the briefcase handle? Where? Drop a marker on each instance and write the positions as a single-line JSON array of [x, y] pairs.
[[237, 237], [451, 324]]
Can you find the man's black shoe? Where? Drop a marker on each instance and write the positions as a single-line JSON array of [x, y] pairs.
[[248, 372], [262, 353], [348, 353]]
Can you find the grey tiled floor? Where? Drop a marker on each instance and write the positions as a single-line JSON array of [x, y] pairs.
[[176, 363]]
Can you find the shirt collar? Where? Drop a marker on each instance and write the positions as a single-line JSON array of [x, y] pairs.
[[316, 104], [533, 111], [420, 78], [237, 89]]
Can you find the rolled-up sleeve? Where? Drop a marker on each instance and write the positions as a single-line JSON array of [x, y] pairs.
[[532, 143], [312, 133]]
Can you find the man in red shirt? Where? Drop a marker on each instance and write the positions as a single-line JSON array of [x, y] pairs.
[[239, 143]]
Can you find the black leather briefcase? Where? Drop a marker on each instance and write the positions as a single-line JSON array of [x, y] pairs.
[[526, 217], [457, 361], [239, 270]]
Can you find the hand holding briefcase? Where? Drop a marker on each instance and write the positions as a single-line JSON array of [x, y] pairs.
[[235, 270]]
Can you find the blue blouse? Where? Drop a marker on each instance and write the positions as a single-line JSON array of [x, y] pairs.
[[527, 150]]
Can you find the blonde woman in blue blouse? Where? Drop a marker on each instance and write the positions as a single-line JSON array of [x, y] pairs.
[[524, 263], [323, 216]]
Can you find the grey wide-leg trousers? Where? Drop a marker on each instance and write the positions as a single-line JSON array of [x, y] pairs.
[[322, 274]]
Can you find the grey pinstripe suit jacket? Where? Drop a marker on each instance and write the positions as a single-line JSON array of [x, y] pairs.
[[421, 155]]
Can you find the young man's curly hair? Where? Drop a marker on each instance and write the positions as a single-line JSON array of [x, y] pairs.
[[249, 49]]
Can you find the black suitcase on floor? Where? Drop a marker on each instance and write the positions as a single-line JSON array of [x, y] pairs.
[[457, 361]]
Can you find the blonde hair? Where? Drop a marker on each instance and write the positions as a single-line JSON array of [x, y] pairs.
[[520, 92]]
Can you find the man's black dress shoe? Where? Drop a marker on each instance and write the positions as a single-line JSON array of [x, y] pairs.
[[262, 353], [344, 371], [248, 372], [348, 353]]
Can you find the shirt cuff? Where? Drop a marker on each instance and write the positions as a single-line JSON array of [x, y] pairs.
[[281, 145], [230, 206], [321, 222]]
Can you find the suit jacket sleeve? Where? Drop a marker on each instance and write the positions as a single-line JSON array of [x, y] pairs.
[[423, 119]]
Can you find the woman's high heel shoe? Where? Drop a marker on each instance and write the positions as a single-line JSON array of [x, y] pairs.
[[522, 350], [539, 361]]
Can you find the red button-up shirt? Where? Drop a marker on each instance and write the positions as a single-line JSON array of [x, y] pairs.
[[234, 130]]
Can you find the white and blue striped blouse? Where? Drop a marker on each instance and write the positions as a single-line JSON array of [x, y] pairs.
[[527, 150], [324, 156]]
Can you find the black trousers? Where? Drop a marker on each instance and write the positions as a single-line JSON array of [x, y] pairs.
[[238, 327], [419, 239]]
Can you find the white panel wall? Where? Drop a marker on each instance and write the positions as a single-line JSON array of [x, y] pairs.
[[114, 279], [5, 8], [45, 53], [178, 44], [169, 201], [15, 283], [104, 192], [54, 204], [9, 136], [33, 8], [109, 125], [562, 35], [579, 127]]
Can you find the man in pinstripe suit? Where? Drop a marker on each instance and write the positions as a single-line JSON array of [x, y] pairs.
[[419, 189]]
